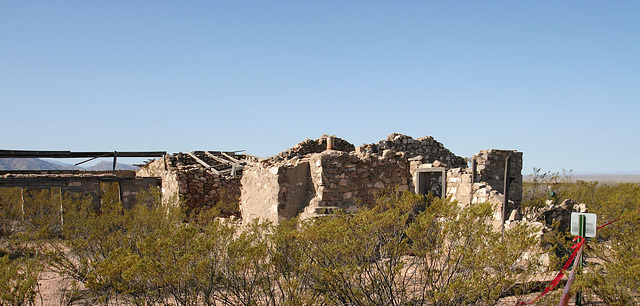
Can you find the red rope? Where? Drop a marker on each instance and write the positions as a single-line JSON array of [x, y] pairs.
[[601, 226], [561, 274], [558, 277]]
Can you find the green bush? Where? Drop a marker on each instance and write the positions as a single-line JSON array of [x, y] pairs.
[[18, 280], [406, 249]]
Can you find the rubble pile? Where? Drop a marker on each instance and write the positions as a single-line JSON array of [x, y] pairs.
[[561, 213], [310, 146], [425, 149]]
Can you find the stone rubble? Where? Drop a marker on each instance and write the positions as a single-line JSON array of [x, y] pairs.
[[309, 146], [426, 147]]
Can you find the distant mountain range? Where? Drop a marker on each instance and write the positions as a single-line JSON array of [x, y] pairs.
[[39, 164]]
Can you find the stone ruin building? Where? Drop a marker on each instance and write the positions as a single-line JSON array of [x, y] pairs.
[[314, 178], [318, 177]]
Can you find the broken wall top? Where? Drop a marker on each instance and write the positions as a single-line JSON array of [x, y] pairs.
[[425, 149], [310, 146]]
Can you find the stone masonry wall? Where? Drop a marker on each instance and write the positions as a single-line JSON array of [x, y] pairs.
[[196, 185], [343, 179], [320, 183], [488, 183], [459, 185], [490, 169]]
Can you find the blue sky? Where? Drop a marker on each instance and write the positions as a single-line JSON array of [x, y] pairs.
[[557, 80]]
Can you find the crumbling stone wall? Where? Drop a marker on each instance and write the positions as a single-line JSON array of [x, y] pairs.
[[343, 179], [276, 192], [487, 183], [320, 183], [196, 185], [490, 166], [309, 180], [427, 149], [460, 185], [309, 147]]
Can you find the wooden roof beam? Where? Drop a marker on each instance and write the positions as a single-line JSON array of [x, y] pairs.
[[200, 161]]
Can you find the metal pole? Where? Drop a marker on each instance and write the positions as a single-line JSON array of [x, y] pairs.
[[506, 190], [579, 260], [115, 158]]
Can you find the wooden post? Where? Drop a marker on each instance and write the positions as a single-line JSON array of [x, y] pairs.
[[61, 209], [22, 202]]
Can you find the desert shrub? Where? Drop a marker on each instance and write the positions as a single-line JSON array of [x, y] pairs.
[[396, 254], [406, 249], [100, 248], [10, 210], [18, 280], [356, 258], [543, 186], [461, 259], [615, 255], [612, 272]]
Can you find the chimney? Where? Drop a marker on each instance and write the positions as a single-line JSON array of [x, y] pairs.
[[329, 142]]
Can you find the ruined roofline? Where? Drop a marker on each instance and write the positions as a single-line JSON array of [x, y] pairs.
[[72, 172], [427, 147], [71, 154], [219, 163]]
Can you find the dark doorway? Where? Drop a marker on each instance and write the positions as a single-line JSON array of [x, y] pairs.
[[432, 180]]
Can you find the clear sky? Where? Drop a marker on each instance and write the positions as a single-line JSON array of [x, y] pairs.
[[557, 80]]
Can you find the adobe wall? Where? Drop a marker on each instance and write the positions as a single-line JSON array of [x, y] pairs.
[[262, 200], [276, 192], [169, 185]]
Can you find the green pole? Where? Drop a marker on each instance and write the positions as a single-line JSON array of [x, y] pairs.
[[581, 231]]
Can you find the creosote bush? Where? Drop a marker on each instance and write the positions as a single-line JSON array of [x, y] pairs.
[[406, 249], [612, 273]]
